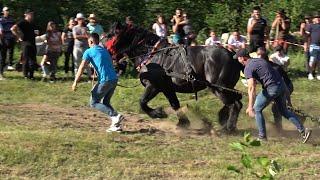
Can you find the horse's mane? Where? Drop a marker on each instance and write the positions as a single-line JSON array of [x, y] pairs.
[[129, 39]]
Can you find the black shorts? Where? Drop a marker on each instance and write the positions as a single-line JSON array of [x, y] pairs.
[[255, 44]]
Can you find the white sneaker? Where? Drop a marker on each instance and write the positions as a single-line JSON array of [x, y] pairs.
[[318, 77], [116, 120], [2, 78], [114, 129], [310, 76], [10, 68]]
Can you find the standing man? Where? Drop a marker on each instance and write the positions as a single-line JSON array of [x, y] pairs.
[[101, 60], [280, 29], [93, 26], [27, 39], [177, 27], [273, 89], [2, 62], [303, 33], [80, 36], [313, 32], [8, 39], [256, 30]]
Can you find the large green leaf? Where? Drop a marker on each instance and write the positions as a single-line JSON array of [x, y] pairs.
[[266, 177], [263, 161], [237, 146], [247, 137], [246, 160]]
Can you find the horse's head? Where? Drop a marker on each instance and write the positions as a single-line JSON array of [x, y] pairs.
[[132, 41]]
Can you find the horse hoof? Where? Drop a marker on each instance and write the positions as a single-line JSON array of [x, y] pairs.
[[157, 113], [229, 131], [183, 122]]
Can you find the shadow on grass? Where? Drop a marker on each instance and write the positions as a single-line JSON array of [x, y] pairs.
[[148, 131], [297, 73]]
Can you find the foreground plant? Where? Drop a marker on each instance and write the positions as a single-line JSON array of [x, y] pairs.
[[261, 166]]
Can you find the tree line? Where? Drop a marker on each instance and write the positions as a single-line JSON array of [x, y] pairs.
[[220, 15]]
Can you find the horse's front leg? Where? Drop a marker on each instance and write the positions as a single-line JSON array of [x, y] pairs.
[[149, 93]]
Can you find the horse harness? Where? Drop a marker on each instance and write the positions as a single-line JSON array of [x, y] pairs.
[[189, 77]]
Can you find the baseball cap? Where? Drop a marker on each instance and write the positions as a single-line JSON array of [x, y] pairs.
[[92, 16], [80, 16], [316, 15], [28, 11], [241, 53], [5, 8]]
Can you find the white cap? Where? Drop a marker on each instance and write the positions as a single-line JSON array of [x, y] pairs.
[[80, 16], [92, 16], [5, 8]]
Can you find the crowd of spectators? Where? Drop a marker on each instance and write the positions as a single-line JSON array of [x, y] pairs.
[[72, 40]]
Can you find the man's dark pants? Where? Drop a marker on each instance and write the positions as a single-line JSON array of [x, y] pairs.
[[29, 52], [8, 45]]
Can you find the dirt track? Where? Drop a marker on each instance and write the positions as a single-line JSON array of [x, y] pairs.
[[48, 116], [44, 116]]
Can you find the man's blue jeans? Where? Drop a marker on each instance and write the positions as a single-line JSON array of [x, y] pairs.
[[273, 93], [101, 95]]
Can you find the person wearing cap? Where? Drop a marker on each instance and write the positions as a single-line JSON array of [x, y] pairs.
[[27, 39], [80, 36], [93, 26], [8, 39], [280, 29], [2, 62], [313, 32], [303, 27], [273, 89]]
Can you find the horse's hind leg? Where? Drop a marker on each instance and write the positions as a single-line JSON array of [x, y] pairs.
[[228, 115], [175, 104], [149, 93]]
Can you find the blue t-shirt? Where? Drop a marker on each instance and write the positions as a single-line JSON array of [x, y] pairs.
[[101, 60], [95, 29], [7, 23], [262, 71]]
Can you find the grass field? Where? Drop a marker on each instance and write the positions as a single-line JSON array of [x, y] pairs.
[[48, 132]]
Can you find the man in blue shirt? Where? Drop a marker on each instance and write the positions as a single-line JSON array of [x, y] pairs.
[[273, 89], [102, 92], [93, 26], [8, 39]]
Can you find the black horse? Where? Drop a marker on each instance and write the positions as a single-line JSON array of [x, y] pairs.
[[173, 69]]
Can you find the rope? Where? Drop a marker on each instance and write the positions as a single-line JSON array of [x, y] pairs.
[[295, 110], [134, 86]]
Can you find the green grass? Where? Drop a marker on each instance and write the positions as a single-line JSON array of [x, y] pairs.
[[43, 137]]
